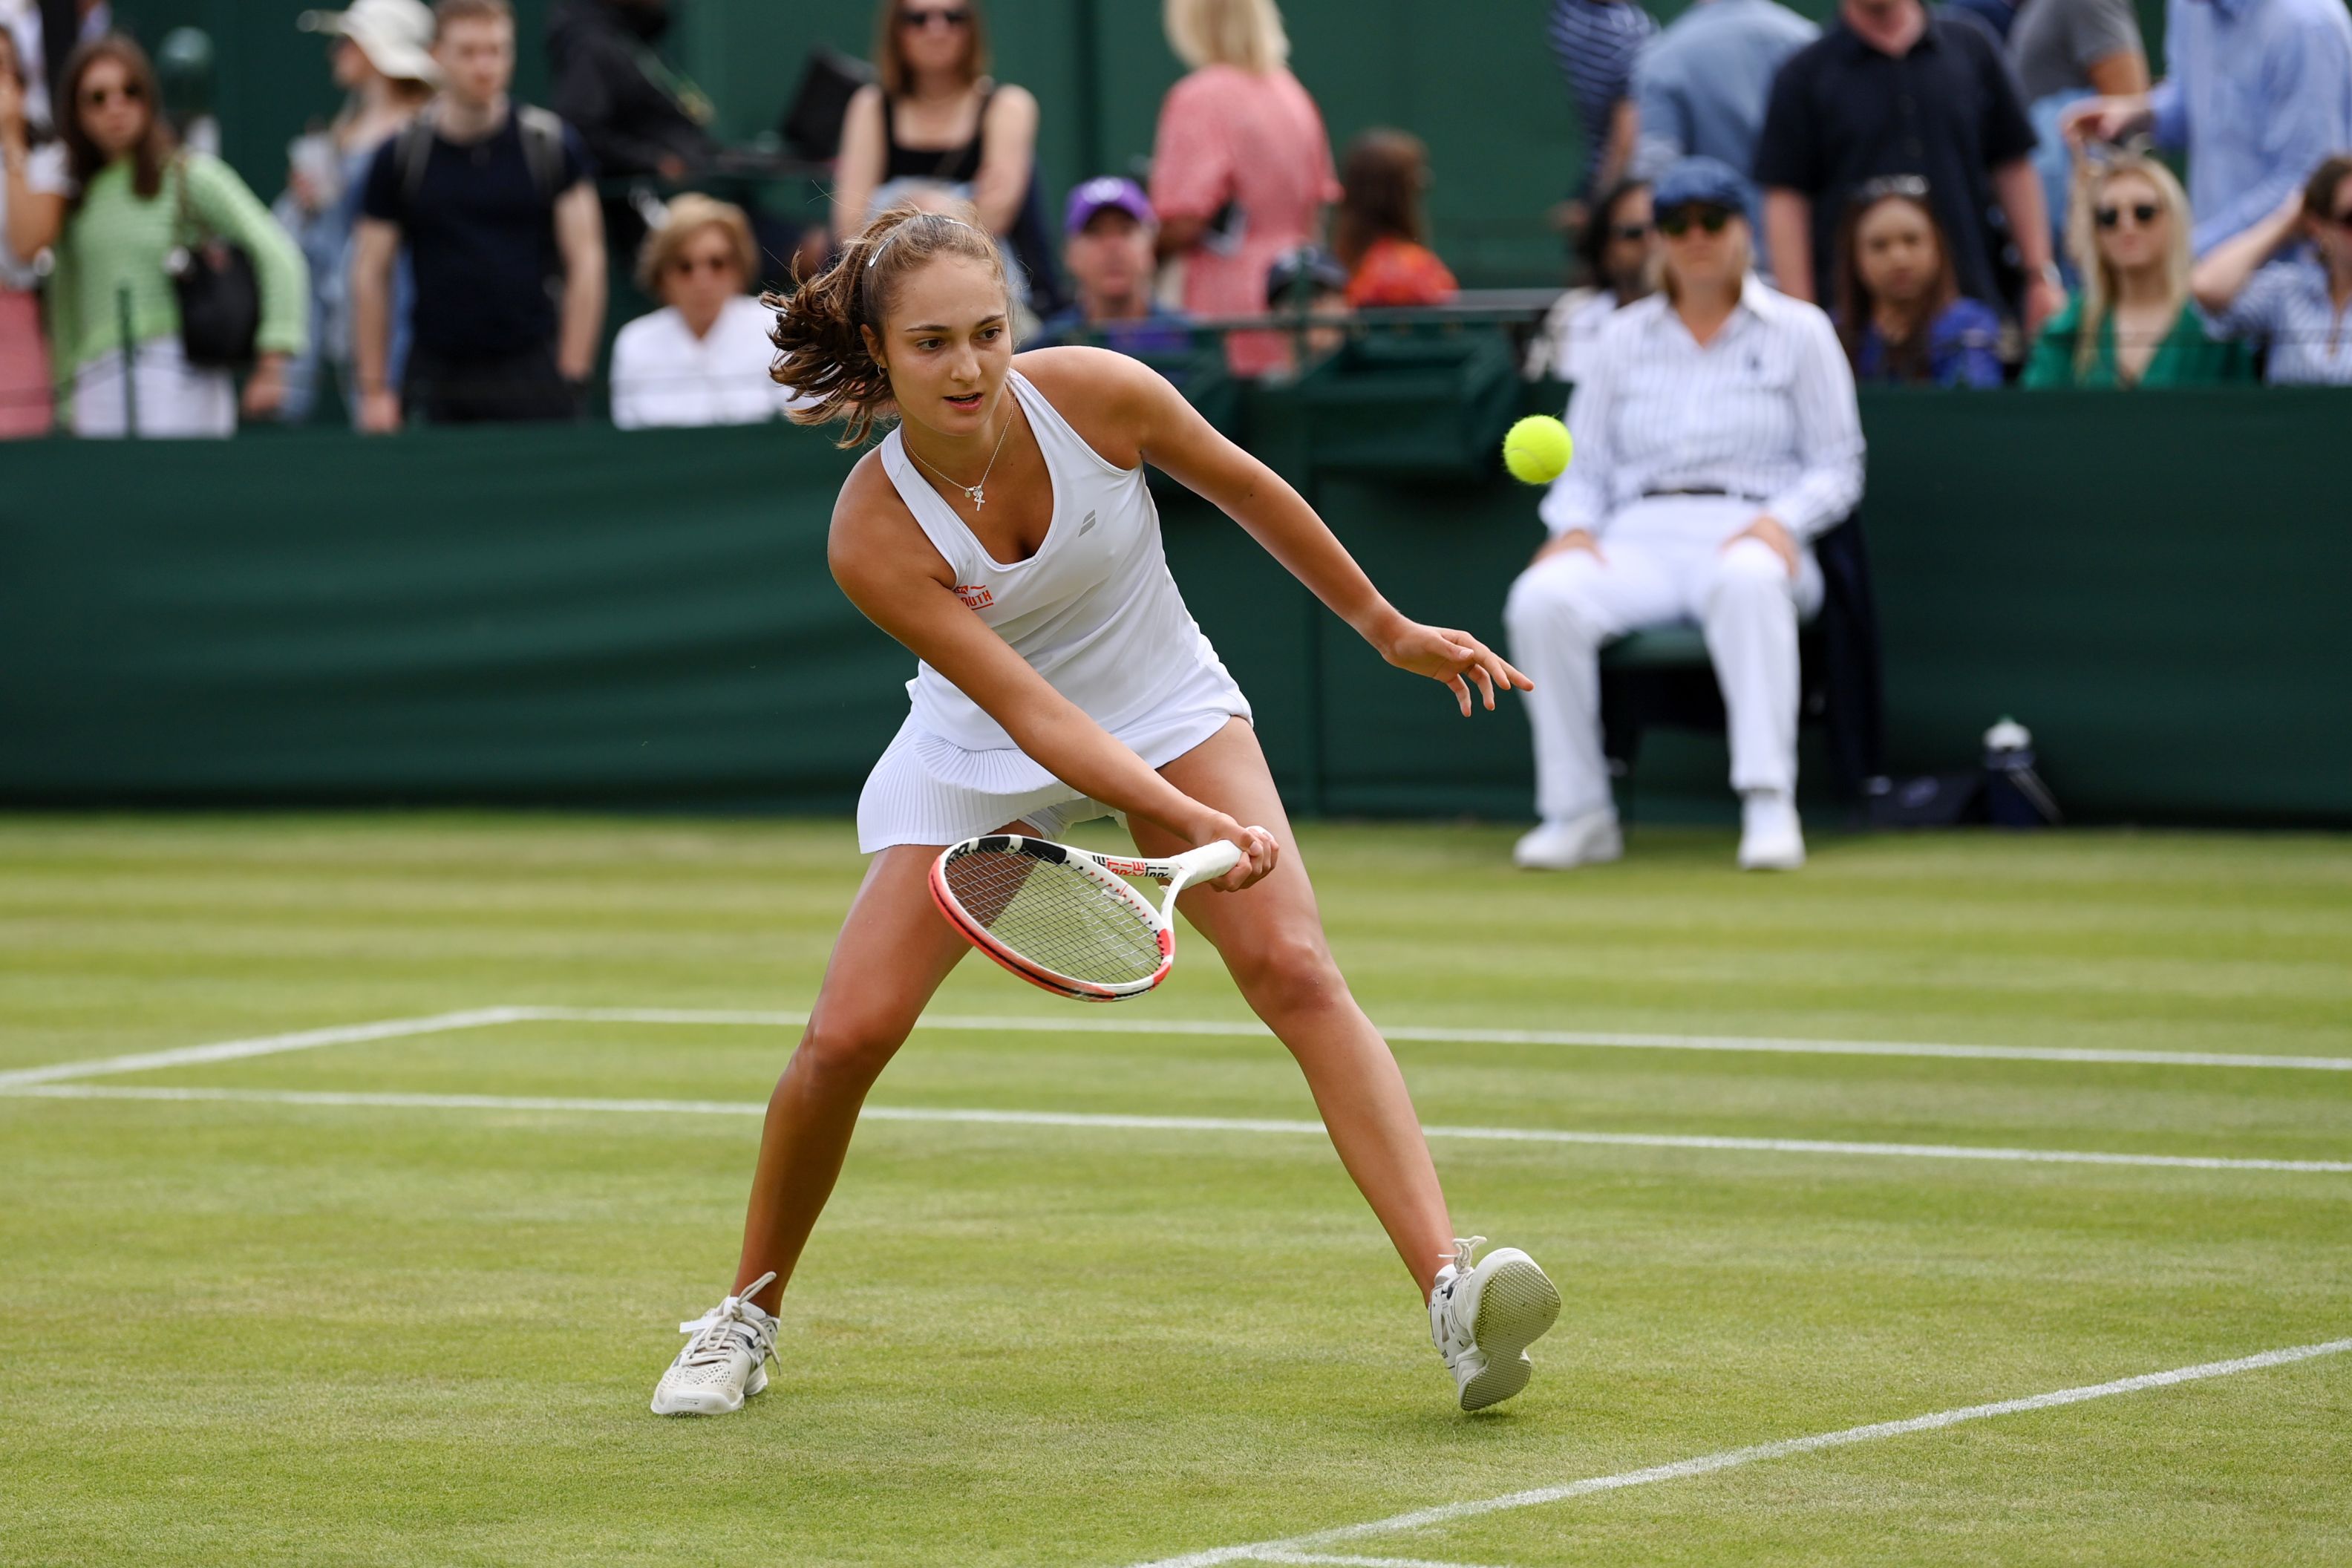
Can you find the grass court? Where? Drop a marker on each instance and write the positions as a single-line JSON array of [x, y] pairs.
[[399, 1296]]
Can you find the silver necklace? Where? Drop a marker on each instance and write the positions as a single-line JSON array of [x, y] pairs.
[[977, 494]]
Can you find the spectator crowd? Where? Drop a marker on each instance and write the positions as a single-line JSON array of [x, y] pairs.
[[1975, 193]]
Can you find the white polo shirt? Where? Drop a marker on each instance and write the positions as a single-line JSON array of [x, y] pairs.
[[665, 375]]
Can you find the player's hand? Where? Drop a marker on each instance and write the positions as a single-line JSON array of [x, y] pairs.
[[1767, 529], [1260, 850], [1574, 539], [1456, 660]]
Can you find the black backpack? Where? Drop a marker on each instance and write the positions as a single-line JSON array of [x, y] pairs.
[[543, 150]]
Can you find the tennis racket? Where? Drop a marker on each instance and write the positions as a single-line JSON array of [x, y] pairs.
[[1061, 918]]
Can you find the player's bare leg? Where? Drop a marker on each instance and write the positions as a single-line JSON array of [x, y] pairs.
[[1483, 1314], [893, 952], [1271, 938]]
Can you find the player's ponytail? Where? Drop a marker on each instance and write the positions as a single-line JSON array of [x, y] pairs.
[[821, 350]]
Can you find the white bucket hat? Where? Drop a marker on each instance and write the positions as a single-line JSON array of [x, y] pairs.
[[396, 36]]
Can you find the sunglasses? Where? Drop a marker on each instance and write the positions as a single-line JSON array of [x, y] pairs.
[[687, 266], [1708, 216], [2342, 219], [945, 16], [1631, 233], [100, 97], [2143, 213]]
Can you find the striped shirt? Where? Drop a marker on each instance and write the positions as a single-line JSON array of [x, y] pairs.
[[1595, 42], [1765, 411], [2286, 306]]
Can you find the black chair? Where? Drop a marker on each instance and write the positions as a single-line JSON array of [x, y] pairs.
[[1662, 678]]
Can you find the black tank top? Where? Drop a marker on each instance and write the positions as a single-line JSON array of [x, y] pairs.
[[948, 165]]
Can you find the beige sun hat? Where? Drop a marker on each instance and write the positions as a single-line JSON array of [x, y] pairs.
[[396, 36]]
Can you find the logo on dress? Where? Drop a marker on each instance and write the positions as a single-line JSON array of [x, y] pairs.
[[1088, 524], [974, 597]]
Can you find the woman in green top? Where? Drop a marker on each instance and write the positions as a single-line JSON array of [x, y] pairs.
[[2134, 324], [110, 285]]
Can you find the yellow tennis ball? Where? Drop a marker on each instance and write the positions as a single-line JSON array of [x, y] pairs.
[[1537, 449]]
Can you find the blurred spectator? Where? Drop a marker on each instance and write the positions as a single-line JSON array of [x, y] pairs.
[[1889, 90], [21, 21], [1307, 281], [491, 198], [47, 32], [936, 115], [634, 113], [1619, 250], [1700, 87], [2134, 324], [383, 59], [2259, 92], [2065, 51], [702, 358], [1595, 42], [1241, 167], [1716, 433], [1380, 233], [1111, 253], [33, 190], [2295, 305], [1899, 312], [115, 319]]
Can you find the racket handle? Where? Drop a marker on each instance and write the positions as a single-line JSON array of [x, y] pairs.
[[1210, 861]]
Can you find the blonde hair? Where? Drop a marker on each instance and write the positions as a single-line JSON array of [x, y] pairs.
[[689, 214], [821, 349], [1243, 33], [2100, 284], [890, 55]]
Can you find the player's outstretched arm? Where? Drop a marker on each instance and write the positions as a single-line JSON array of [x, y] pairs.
[[1172, 435], [882, 561]]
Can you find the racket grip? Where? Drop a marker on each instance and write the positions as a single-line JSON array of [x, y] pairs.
[[1210, 861]]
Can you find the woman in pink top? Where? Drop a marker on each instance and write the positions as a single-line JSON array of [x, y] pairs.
[[1242, 168]]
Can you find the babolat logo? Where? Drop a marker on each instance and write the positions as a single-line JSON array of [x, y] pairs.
[[1088, 524]]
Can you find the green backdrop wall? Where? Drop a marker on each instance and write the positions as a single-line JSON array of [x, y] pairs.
[[2153, 582], [1476, 81]]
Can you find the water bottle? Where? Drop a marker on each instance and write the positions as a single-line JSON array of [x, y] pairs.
[[2015, 796]]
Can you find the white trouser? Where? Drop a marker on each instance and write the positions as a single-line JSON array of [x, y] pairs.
[[168, 396], [1661, 561]]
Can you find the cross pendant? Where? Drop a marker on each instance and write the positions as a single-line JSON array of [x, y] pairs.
[[979, 496]]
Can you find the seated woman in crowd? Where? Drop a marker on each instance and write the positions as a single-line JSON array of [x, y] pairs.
[[135, 194], [2295, 305], [1900, 311], [1716, 433], [33, 187], [936, 115], [1380, 233], [1619, 253], [2132, 324], [1241, 166], [703, 358]]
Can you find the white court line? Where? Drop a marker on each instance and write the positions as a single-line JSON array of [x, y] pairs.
[[267, 1045], [1094, 1022], [1342, 1560], [1447, 1513], [1176, 1124]]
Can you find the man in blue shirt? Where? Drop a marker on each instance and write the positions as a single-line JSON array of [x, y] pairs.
[[2259, 92], [1111, 231], [1700, 87]]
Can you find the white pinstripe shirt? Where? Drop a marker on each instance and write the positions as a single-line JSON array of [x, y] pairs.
[[1765, 411]]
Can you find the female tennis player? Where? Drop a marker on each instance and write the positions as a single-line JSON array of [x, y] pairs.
[[1002, 532]]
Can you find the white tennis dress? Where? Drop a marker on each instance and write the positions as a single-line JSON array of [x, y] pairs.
[[1094, 611]]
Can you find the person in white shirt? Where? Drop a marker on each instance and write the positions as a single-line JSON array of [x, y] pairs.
[[1716, 434], [703, 357], [1619, 250]]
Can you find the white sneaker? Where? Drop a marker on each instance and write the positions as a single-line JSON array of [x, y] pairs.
[[1587, 840], [1483, 1318], [1770, 836], [725, 1359]]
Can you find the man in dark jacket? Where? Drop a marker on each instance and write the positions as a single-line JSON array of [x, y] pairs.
[[636, 114]]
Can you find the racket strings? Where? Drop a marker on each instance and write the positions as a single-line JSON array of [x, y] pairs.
[[1056, 916]]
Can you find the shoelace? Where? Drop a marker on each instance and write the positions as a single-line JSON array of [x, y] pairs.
[[1463, 1251], [713, 1331]]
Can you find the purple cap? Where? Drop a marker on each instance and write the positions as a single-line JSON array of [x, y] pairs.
[[1109, 191]]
